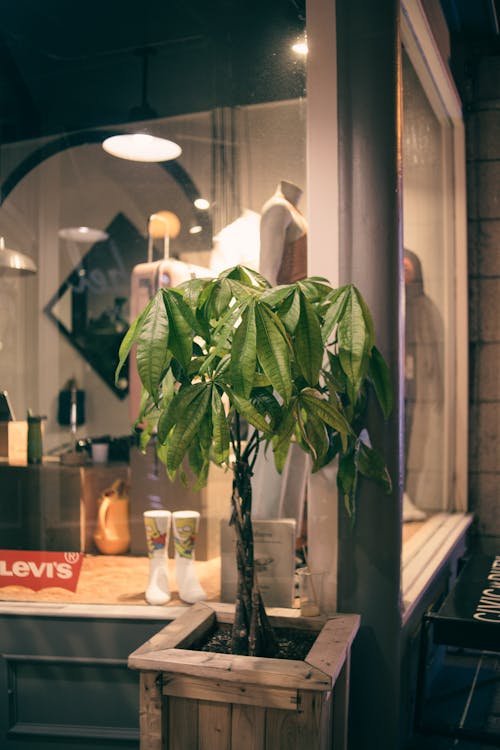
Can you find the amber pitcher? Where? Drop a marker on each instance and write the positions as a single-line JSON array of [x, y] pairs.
[[112, 534]]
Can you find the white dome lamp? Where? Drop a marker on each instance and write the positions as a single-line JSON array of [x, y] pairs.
[[14, 262], [142, 146]]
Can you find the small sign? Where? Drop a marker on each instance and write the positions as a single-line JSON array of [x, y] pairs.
[[40, 570], [274, 555]]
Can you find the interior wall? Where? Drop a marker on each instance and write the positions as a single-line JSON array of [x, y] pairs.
[[84, 186]]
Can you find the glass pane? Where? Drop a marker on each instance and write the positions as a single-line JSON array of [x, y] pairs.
[[428, 326], [225, 85]]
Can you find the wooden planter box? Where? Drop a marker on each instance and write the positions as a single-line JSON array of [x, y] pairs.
[[194, 700]]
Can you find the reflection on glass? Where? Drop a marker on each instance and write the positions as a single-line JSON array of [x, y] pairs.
[[426, 295]]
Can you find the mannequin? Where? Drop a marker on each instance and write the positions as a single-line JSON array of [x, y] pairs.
[[283, 236], [423, 393], [283, 260]]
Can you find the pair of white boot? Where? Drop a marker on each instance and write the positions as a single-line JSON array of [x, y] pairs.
[[184, 526]]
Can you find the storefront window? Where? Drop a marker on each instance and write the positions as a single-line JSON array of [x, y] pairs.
[[434, 278], [427, 300], [230, 91]]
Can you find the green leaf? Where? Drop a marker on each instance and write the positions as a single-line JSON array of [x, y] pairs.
[[327, 411], [315, 288], [289, 312], [220, 298], [354, 343], [371, 464], [379, 375], [192, 289], [278, 295], [265, 403], [308, 343], [181, 325], [221, 337], [283, 435], [189, 418], [273, 350], [336, 303], [152, 346], [347, 482], [335, 376], [249, 412], [247, 276], [129, 339], [221, 437], [315, 435], [244, 353], [199, 464], [180, 401]]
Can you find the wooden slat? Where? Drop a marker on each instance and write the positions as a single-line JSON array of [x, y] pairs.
[[248, 727], [431, 556], [182, 724], [181, 632], [341, 707], [329, 651], [214, 726], [296, 731], [244, 669], [229, 692], [150, 712]]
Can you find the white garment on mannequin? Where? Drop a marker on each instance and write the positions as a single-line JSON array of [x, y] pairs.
[[237, 243]]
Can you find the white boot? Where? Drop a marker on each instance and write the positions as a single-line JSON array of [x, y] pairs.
[[157, 525], [185, 527]]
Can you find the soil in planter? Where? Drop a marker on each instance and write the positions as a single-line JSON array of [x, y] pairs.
[[292, 643]]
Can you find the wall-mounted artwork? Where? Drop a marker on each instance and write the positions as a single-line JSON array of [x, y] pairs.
[[91, 307]]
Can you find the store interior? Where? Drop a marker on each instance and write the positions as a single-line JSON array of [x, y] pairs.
[[88, 219]]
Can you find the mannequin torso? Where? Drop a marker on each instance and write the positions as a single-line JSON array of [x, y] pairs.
[[283, 236]]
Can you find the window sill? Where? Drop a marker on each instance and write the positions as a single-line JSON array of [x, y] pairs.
[[426, 553]]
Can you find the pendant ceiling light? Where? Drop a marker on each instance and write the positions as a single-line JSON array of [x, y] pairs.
[[83, 234], [141, 146], [14, 262]]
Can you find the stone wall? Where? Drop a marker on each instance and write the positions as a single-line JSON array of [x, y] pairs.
[[481, 94]]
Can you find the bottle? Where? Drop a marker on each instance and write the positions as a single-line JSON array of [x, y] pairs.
[[35, 447]]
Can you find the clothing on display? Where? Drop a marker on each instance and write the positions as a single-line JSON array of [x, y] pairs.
[[424, 337]]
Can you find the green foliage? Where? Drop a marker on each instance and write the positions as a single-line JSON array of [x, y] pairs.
[[294, 361]]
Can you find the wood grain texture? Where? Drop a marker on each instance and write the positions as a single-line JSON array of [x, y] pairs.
[[248, 728], [227, 692], [180, 633], [214, 726], [182, 724], [296, 731], [330, 649], [252, 670], [150, 711]]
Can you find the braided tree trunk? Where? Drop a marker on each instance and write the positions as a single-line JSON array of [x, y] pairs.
[[252, 632]]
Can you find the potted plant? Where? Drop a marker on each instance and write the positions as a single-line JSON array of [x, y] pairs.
[[230, 365], [292, 362]]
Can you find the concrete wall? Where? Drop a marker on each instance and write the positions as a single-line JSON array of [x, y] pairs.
[[481, 94]]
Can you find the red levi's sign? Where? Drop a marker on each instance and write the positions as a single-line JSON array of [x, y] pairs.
[[40, 570]]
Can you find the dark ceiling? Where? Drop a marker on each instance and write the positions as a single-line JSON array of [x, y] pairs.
[[66, 66]]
